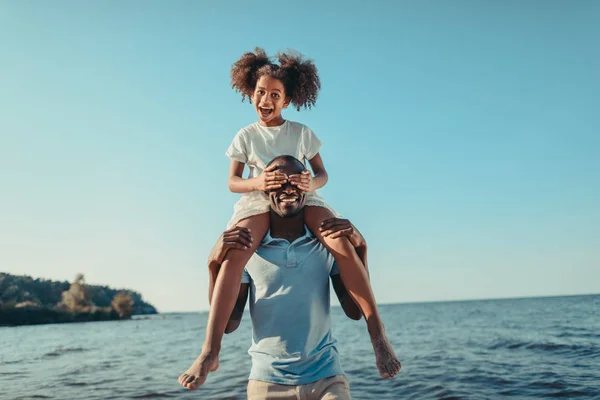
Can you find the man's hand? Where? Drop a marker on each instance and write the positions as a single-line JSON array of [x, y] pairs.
[[303, 181], [234, 238], [270, 179], [337, 227]]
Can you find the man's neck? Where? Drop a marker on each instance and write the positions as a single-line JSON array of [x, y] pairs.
[[290, 228]]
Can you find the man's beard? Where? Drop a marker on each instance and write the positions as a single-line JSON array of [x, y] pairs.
[[287, 214]]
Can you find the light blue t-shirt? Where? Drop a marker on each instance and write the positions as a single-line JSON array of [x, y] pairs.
[[292, 342]]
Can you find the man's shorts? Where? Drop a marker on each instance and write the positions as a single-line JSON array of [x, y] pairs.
[[332, 388]]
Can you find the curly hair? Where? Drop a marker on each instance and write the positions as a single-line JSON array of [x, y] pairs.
[[298, 75]]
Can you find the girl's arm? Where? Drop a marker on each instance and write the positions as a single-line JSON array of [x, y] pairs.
[[236, 183], [320, 178], [267, 180], [305, 181]]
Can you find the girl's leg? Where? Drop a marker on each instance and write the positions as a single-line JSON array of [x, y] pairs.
[[227, 287], [356, 281]]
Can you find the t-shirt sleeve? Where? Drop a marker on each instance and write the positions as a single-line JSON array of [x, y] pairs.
[[246, 276], [238, 150], [334, 270], [311, 143]]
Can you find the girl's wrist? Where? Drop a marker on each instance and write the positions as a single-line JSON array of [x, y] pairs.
[[253, 184]]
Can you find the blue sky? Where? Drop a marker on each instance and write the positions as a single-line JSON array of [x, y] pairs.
[[461, 137]]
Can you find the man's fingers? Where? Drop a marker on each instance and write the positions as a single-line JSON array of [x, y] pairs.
[[328, 223], [342, 232], [238, 240], [245, 240], [242, 233], [236, 229], [271, 167], [243, 236], [335, 228], [236, 245], [329, 231]]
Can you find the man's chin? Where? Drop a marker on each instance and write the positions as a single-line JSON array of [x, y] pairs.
[[287, 212]]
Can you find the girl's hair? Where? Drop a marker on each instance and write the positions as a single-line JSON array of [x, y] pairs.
[[299, 76]]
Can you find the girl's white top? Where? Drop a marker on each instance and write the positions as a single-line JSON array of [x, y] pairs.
[[256, 145]]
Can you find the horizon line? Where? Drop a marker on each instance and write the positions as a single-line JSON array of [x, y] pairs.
[[434, 301]]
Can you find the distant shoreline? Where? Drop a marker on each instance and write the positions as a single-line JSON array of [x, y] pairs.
[[28, 301]]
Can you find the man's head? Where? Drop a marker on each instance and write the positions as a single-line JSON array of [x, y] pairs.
[[288, 200]]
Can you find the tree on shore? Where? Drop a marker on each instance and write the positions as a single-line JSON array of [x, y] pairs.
[[122, 303], [77, 298]]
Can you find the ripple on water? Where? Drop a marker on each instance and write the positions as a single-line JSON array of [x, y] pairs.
[[60, 351], [152, 395]]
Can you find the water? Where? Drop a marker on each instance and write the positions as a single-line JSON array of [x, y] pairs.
[[526, 348]]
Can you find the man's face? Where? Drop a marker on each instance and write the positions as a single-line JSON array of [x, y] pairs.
[[288, 200]]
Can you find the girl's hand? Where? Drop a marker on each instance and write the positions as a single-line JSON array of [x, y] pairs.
[[270, 179], [303, 181], [234, 238], [338, 227]]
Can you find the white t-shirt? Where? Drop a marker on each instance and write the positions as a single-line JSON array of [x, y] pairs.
[[256, 145]]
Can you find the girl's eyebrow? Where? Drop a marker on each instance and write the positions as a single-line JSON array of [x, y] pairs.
[[263, 88]]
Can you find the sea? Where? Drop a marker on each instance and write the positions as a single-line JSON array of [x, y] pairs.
[[530, 348]]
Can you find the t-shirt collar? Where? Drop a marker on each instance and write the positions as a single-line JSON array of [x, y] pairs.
[[268, 239]]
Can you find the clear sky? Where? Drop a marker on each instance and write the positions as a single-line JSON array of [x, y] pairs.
[[462, 138]]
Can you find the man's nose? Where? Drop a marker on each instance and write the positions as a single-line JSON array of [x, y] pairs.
[[288, 188]]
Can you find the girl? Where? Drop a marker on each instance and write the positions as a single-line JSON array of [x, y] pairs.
[[272, 87]]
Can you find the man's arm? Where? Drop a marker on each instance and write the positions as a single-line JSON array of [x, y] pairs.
[[234, 238], [334, 228]]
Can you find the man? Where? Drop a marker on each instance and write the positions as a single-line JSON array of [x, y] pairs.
[[293, 351]]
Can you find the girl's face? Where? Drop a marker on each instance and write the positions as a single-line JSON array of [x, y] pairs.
[[269, 100]]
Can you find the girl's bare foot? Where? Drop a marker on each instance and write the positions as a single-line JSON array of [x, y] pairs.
[[196, 374], [385, 358]]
